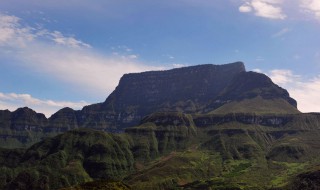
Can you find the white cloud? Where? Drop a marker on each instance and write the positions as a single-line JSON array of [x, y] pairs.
[[281, 33], [84, 69], [311, 6], [283, 77], [245, 8], [7, 27], [257, 70], [305, 91], [270, 9], [68, 41], [267, 10], [12, 33], [12, 101], [281, 9], [64, 59], [133, 56], [178, 65]]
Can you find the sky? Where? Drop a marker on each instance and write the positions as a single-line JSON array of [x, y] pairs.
[[56, 54]]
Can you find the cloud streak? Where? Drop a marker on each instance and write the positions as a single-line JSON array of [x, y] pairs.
[[62, 58], [281, 33], [311, 6], [65, 58], [281, 9], [270, 9], [305, 91]]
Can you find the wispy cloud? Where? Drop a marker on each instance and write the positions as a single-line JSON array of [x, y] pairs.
[[12, 33], [245, 8], [63, 58], [283, 77], [311, 6], [281, 33], [178, 65], [281, 9], [91, 72], [67, 41], [270, 9], [305, 91], [12, 101]]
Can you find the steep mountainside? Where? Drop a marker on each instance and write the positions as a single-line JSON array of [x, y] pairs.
[[22, 127], [196, 89], [199, 127], [174, 150]]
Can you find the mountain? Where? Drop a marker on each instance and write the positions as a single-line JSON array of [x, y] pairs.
[[199, 127], [174, 150], [201, 89], [20, 128], [195, 89]]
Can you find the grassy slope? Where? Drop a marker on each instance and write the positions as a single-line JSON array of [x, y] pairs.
[[237, 156], [99, 185], [219, 156], [199, 169], [257, 105]]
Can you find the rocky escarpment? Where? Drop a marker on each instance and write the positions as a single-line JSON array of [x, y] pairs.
[[247, 85], [22, 127], [161, 133], [283, 138], [68, 159], [79, 156], [186, 89], [197, 89], [204, 142]]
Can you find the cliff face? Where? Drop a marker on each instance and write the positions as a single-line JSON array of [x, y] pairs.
[[186, 89], [22, 127], [162, 89], [196, 89], [247, 85], [167, 146], [193, 90], [188, 127]]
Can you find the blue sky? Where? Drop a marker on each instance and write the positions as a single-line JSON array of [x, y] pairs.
[[73, 53]]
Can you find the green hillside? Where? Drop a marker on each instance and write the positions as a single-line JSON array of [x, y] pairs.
[[173, 151], [257, 105]]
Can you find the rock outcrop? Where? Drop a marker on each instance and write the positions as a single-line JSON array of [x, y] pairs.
[[203, 145], [197, 89]]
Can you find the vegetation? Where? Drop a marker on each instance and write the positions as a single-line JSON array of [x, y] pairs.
[[100, 185], [257, 105], [173, 151]]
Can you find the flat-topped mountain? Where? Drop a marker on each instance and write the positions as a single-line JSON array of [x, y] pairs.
[[200, 89], [195, 89], [199, 127], [199, 83]]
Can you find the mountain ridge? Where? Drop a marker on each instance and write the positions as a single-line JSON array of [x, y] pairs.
[[196, 89], [200, 127], [166, 142]]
